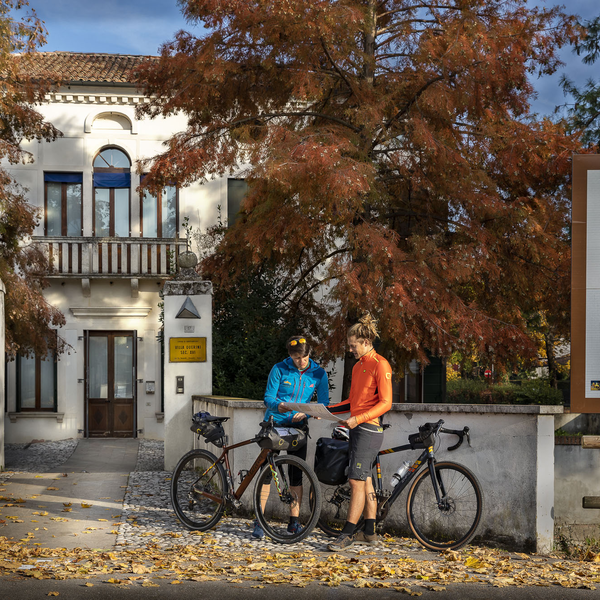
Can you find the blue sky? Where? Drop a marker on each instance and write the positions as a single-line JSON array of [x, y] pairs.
[[141, 26], [114, 26]]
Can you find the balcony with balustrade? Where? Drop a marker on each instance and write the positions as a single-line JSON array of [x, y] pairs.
[[98, 257]]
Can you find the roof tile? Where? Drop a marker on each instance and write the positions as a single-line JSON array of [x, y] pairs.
[[82, 67]]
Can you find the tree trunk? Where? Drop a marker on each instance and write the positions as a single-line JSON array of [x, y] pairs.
[[349, 362], [369, 43], [552, 367]]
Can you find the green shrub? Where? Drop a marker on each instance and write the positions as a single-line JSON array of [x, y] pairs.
[[249, 335], [538, 391], [465, 391], [477, 391]]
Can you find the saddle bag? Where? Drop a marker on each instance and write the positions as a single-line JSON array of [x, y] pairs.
[[332, 458], [209, 427]]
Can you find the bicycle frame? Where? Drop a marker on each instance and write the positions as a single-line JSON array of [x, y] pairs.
[[264, 456], [430, 483], [426, 455]]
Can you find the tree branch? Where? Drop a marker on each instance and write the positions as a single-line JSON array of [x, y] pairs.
[[305, 274], [337, 69]]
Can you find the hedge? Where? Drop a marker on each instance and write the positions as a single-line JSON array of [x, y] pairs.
[[476, 391]]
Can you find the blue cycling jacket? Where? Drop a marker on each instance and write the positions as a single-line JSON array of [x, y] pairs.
[[287, 384]]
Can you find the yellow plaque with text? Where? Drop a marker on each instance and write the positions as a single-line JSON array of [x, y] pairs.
[[187, 349]]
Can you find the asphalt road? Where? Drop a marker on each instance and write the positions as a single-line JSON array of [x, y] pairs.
[[19, 588]]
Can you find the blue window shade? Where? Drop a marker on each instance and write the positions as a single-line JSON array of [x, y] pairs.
[[112, 180], [63, 177]]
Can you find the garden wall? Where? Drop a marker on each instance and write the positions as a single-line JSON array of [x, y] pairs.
[[511, 453]]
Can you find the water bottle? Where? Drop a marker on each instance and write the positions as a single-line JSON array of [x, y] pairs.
[[400, 473]]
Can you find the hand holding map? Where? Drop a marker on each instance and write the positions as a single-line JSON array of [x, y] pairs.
[[312, 409]]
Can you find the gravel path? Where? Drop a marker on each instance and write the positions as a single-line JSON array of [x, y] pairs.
[[38, 457]]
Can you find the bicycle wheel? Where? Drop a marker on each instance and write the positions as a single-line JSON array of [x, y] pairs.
[[334, 509], [451, 523], [198, 490], [275, 497]]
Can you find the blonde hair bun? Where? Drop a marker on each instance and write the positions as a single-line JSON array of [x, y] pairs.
[[366, 328], [368, 320]]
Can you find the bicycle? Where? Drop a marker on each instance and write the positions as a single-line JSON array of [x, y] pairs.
[[444, 503], [202, 483]]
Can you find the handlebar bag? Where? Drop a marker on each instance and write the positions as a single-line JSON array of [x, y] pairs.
[[281, 438], [332, 458]]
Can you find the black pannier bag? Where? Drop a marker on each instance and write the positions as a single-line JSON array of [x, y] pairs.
[[332, 458], [280, 438], [209, 427]]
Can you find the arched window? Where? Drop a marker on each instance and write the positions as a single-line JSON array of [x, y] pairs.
[[112, 183]]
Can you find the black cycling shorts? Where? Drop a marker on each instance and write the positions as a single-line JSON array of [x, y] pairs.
[[365, 443]]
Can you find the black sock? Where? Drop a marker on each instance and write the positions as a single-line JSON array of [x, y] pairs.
[[349, 528], [294, 520], [369, 526]]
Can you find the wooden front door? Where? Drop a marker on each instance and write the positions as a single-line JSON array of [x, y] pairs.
[[111, 383]]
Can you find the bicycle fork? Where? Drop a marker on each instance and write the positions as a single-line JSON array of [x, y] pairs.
[[282, 490], [437, 482]]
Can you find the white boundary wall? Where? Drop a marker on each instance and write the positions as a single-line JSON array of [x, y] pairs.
[[2, 399], [512, 455]]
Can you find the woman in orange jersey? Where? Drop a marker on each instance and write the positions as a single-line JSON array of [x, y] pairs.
[[370, 397]]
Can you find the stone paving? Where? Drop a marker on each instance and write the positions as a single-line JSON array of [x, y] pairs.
[[147, 518]]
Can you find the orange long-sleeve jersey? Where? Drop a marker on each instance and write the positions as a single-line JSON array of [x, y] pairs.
[[370, 390]]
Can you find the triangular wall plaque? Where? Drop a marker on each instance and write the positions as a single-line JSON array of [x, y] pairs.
[[188, 310]]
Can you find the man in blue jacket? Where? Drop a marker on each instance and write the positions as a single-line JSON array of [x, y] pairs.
[[295, 379]]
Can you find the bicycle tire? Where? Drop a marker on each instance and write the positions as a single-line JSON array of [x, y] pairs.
[[274, 517], [335, 503], [198, 473], [453, 525]]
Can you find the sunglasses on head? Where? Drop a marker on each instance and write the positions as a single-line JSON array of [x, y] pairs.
[[298, 341]]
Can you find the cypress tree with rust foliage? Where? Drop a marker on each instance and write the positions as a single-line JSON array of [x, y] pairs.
[[392, 160]]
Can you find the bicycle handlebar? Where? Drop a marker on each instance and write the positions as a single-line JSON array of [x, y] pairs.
[[432, 429], [461, 433]]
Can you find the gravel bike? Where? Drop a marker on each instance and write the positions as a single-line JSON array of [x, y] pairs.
[[202, 484], [444, 502]]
